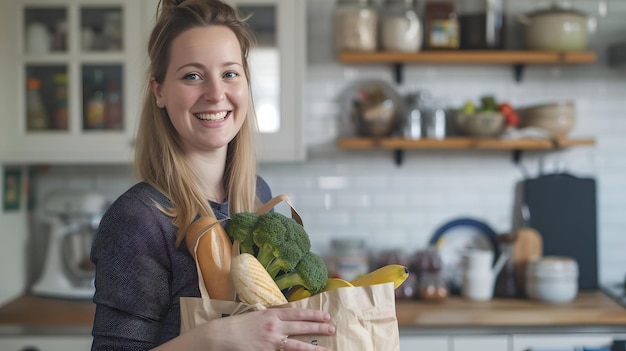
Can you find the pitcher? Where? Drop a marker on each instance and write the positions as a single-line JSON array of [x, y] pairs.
[[479, 275]]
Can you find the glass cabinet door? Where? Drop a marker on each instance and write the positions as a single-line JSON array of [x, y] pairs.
[[78, 65], [264, 60]]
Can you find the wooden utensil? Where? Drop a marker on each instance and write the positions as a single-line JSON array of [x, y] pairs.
[[528, 246]]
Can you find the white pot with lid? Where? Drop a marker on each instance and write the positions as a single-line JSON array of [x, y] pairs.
[[552, 279], [556, 29]]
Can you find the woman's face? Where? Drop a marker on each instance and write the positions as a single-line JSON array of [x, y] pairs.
[[205, 90]]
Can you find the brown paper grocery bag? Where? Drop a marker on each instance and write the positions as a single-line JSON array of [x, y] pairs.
[[365, 317]]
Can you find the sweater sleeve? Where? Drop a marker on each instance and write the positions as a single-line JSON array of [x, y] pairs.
[[133, 276]]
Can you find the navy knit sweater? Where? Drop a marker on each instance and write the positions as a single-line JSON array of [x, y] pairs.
[[140, 274]]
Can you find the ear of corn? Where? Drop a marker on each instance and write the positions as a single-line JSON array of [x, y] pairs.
[[253, 283], [214, 255]]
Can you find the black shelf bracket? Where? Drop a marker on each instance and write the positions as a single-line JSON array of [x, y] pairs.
[[398, 71], [398, 157], [518, 71], [517, 156]]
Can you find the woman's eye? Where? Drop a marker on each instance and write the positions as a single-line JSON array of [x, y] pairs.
[[192, 76], [231, 75]]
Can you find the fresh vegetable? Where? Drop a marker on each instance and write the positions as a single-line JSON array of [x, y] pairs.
[[252, 282], [310, 272], [240, 227], [214, 255], [275, 241], [390, 273], [512, 119]]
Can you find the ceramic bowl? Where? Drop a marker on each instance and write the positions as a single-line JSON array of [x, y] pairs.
[[481, 124], [557, 118], [552, 279]]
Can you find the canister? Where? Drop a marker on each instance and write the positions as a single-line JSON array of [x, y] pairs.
[[401, 28], [349, 258], [355, 26]]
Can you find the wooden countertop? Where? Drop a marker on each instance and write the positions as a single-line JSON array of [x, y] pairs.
[[589, 309], [39, 312]]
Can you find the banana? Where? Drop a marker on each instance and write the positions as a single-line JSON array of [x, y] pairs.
[[390, 273], [334, 283], [297, 293]]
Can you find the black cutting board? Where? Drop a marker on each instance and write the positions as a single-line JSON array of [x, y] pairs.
[[563, 210]]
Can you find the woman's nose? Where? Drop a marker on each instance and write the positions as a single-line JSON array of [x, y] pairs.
[[213, 90]]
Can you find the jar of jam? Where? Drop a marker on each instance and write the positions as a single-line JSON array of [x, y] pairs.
[[430, 284]]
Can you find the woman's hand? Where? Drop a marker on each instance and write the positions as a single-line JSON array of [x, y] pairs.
[[267, 330]]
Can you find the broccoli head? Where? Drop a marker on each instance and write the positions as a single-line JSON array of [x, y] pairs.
[[240, 227], [310, 272], [269, 236], [295, 245]]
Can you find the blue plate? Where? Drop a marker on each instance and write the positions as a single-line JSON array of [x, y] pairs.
[[458, 236]]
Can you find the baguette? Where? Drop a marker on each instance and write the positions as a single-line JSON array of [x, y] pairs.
[[214, 256]]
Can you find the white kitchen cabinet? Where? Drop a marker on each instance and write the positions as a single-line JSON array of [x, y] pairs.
[[480, 343], [95, 72], [74, 79], [420, 343], [45, 343], [574, 341]]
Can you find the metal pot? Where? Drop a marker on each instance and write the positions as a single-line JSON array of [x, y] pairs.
[[556, 29]]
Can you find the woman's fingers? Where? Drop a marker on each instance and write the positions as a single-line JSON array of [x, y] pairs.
[[301, 321], [301, 314]]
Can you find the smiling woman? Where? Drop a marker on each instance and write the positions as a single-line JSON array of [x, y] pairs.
[[195, 158]]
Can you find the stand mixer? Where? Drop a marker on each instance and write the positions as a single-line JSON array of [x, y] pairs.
[[72, 219]]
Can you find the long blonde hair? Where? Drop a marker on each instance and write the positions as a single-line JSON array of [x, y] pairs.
[[159, 157]]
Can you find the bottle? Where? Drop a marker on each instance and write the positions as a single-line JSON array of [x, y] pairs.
[[355, 26], [401, 29], [413, 127], [113, 107], [95, 105], [36, 115], [60, 117]]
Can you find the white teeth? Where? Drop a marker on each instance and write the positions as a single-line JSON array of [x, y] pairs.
[[212, 116]]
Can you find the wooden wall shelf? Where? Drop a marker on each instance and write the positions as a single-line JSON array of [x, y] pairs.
[[518, 58], [474, 56], [399, 145]]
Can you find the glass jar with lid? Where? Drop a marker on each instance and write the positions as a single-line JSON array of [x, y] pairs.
[[355, 25], [401, 28]]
